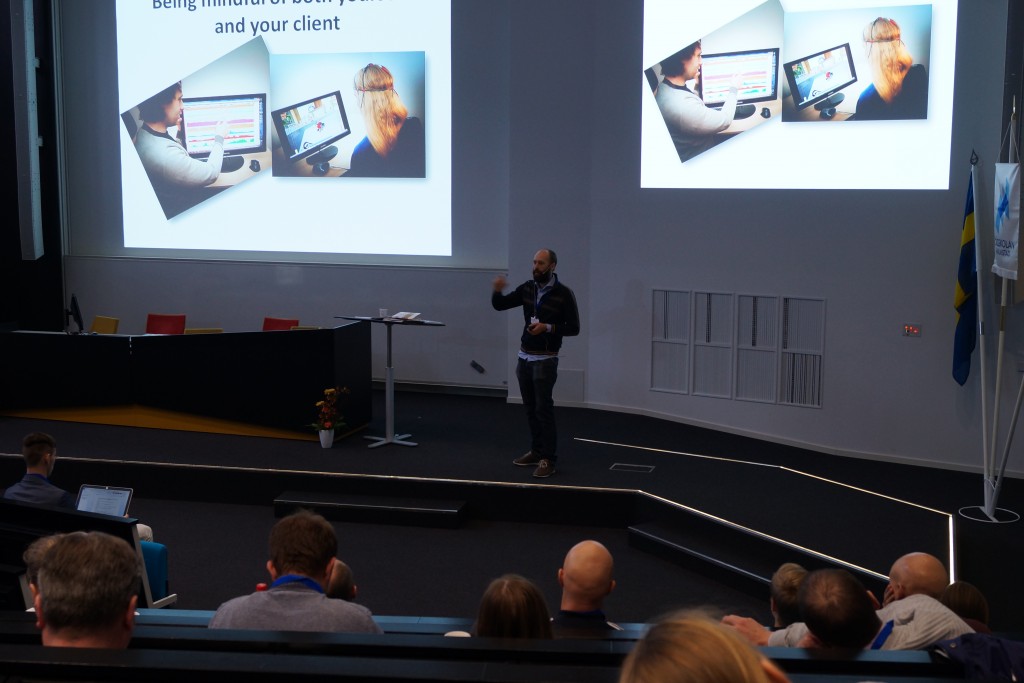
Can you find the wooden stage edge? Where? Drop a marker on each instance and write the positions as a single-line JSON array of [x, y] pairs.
[[154, 418]]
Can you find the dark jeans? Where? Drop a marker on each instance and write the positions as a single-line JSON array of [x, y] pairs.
[[536, 381]]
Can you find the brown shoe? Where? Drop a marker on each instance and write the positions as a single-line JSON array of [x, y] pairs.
[[527, 459], [545, 469]]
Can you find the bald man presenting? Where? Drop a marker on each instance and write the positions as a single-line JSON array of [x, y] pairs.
[[586, 580]]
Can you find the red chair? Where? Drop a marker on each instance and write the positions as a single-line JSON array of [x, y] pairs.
[[165, 323], [270, 324]]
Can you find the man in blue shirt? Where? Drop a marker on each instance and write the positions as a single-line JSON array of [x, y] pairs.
[[40, 453]]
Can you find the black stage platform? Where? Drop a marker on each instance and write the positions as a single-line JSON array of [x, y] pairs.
[[738, 505]]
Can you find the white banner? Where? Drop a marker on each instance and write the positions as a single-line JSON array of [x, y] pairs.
[[1007, 225]]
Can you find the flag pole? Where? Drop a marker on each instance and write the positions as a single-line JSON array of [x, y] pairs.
[[980, 302], [994, 483]]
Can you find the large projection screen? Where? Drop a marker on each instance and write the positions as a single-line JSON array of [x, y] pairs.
[[846, 143]]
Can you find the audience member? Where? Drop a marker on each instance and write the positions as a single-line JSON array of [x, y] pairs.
[[513, 607], [909, 620], [916, 574], [695, 649], [88, 585], [40, 453], [33, 558], [586, 580], [839, 612], [785, 584], [968, 603], [342, 584], [303, 547]]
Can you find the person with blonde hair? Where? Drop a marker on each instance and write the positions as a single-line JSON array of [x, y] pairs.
[[691, 648], [899, 88], [394, 145]]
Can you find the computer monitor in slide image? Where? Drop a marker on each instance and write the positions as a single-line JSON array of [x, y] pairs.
[[245, 116], [818, 78], [309, 128], [755, 72]]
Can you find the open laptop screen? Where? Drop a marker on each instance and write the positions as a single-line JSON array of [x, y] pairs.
[[105, 500]]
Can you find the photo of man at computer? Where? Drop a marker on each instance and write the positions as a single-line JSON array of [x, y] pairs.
[[712, 89], [205, 133]]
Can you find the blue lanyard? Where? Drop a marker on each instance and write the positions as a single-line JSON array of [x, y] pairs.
[[883, 635], [297, 578]]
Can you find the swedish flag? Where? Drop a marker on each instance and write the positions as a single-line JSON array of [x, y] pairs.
[[966, 301]]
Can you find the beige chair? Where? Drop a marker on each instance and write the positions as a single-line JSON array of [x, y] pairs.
[[102, 324], [203, 330]]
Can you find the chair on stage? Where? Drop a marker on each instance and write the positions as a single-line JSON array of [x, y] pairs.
[[165, 323], [272, 324], [102, 324], [204, 330]]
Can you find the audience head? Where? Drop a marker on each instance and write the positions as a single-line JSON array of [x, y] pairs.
[[33, 558], [916, 574], [342, 583], [40, 452], [513, 607], [837, 609], [691, 648], [162, 107], [890, 61], [382, 108], [87, 591], [586, 577], [785, 584], [683, 62], [966, 601], [302, 543]]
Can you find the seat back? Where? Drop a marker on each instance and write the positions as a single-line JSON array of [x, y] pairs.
[[204, 330], [154, 555], [102, 324], [165, 323], [270, 324]]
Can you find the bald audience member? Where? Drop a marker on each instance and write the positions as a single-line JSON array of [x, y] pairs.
[[914, 620], [88, 586], [586, 578], [916, 574]]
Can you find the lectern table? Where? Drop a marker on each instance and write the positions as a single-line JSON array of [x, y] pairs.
[[389, 381]]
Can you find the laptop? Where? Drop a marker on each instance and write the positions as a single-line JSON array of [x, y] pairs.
[[105, 500]]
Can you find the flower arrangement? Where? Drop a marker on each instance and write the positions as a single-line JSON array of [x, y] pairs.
[[327, 416]]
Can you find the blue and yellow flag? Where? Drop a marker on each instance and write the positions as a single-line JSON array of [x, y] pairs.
[[966, 301]]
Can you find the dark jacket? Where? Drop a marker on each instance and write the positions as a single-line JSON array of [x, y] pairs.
[[557, 308]]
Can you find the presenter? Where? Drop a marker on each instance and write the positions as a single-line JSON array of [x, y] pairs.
[[394, 145], [549, 314], [690, 122], [175, 175], [899, 88]]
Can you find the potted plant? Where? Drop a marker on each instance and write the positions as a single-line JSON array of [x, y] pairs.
[[328, 420]]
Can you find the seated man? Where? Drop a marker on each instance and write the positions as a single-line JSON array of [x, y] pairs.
[[40, 453], [586, 580], [88, 586], [908, 623], [303, 547]]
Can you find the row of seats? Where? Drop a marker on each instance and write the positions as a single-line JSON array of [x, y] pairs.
[[174, 323]]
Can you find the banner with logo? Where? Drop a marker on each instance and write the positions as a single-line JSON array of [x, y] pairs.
[[1007, 224]]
